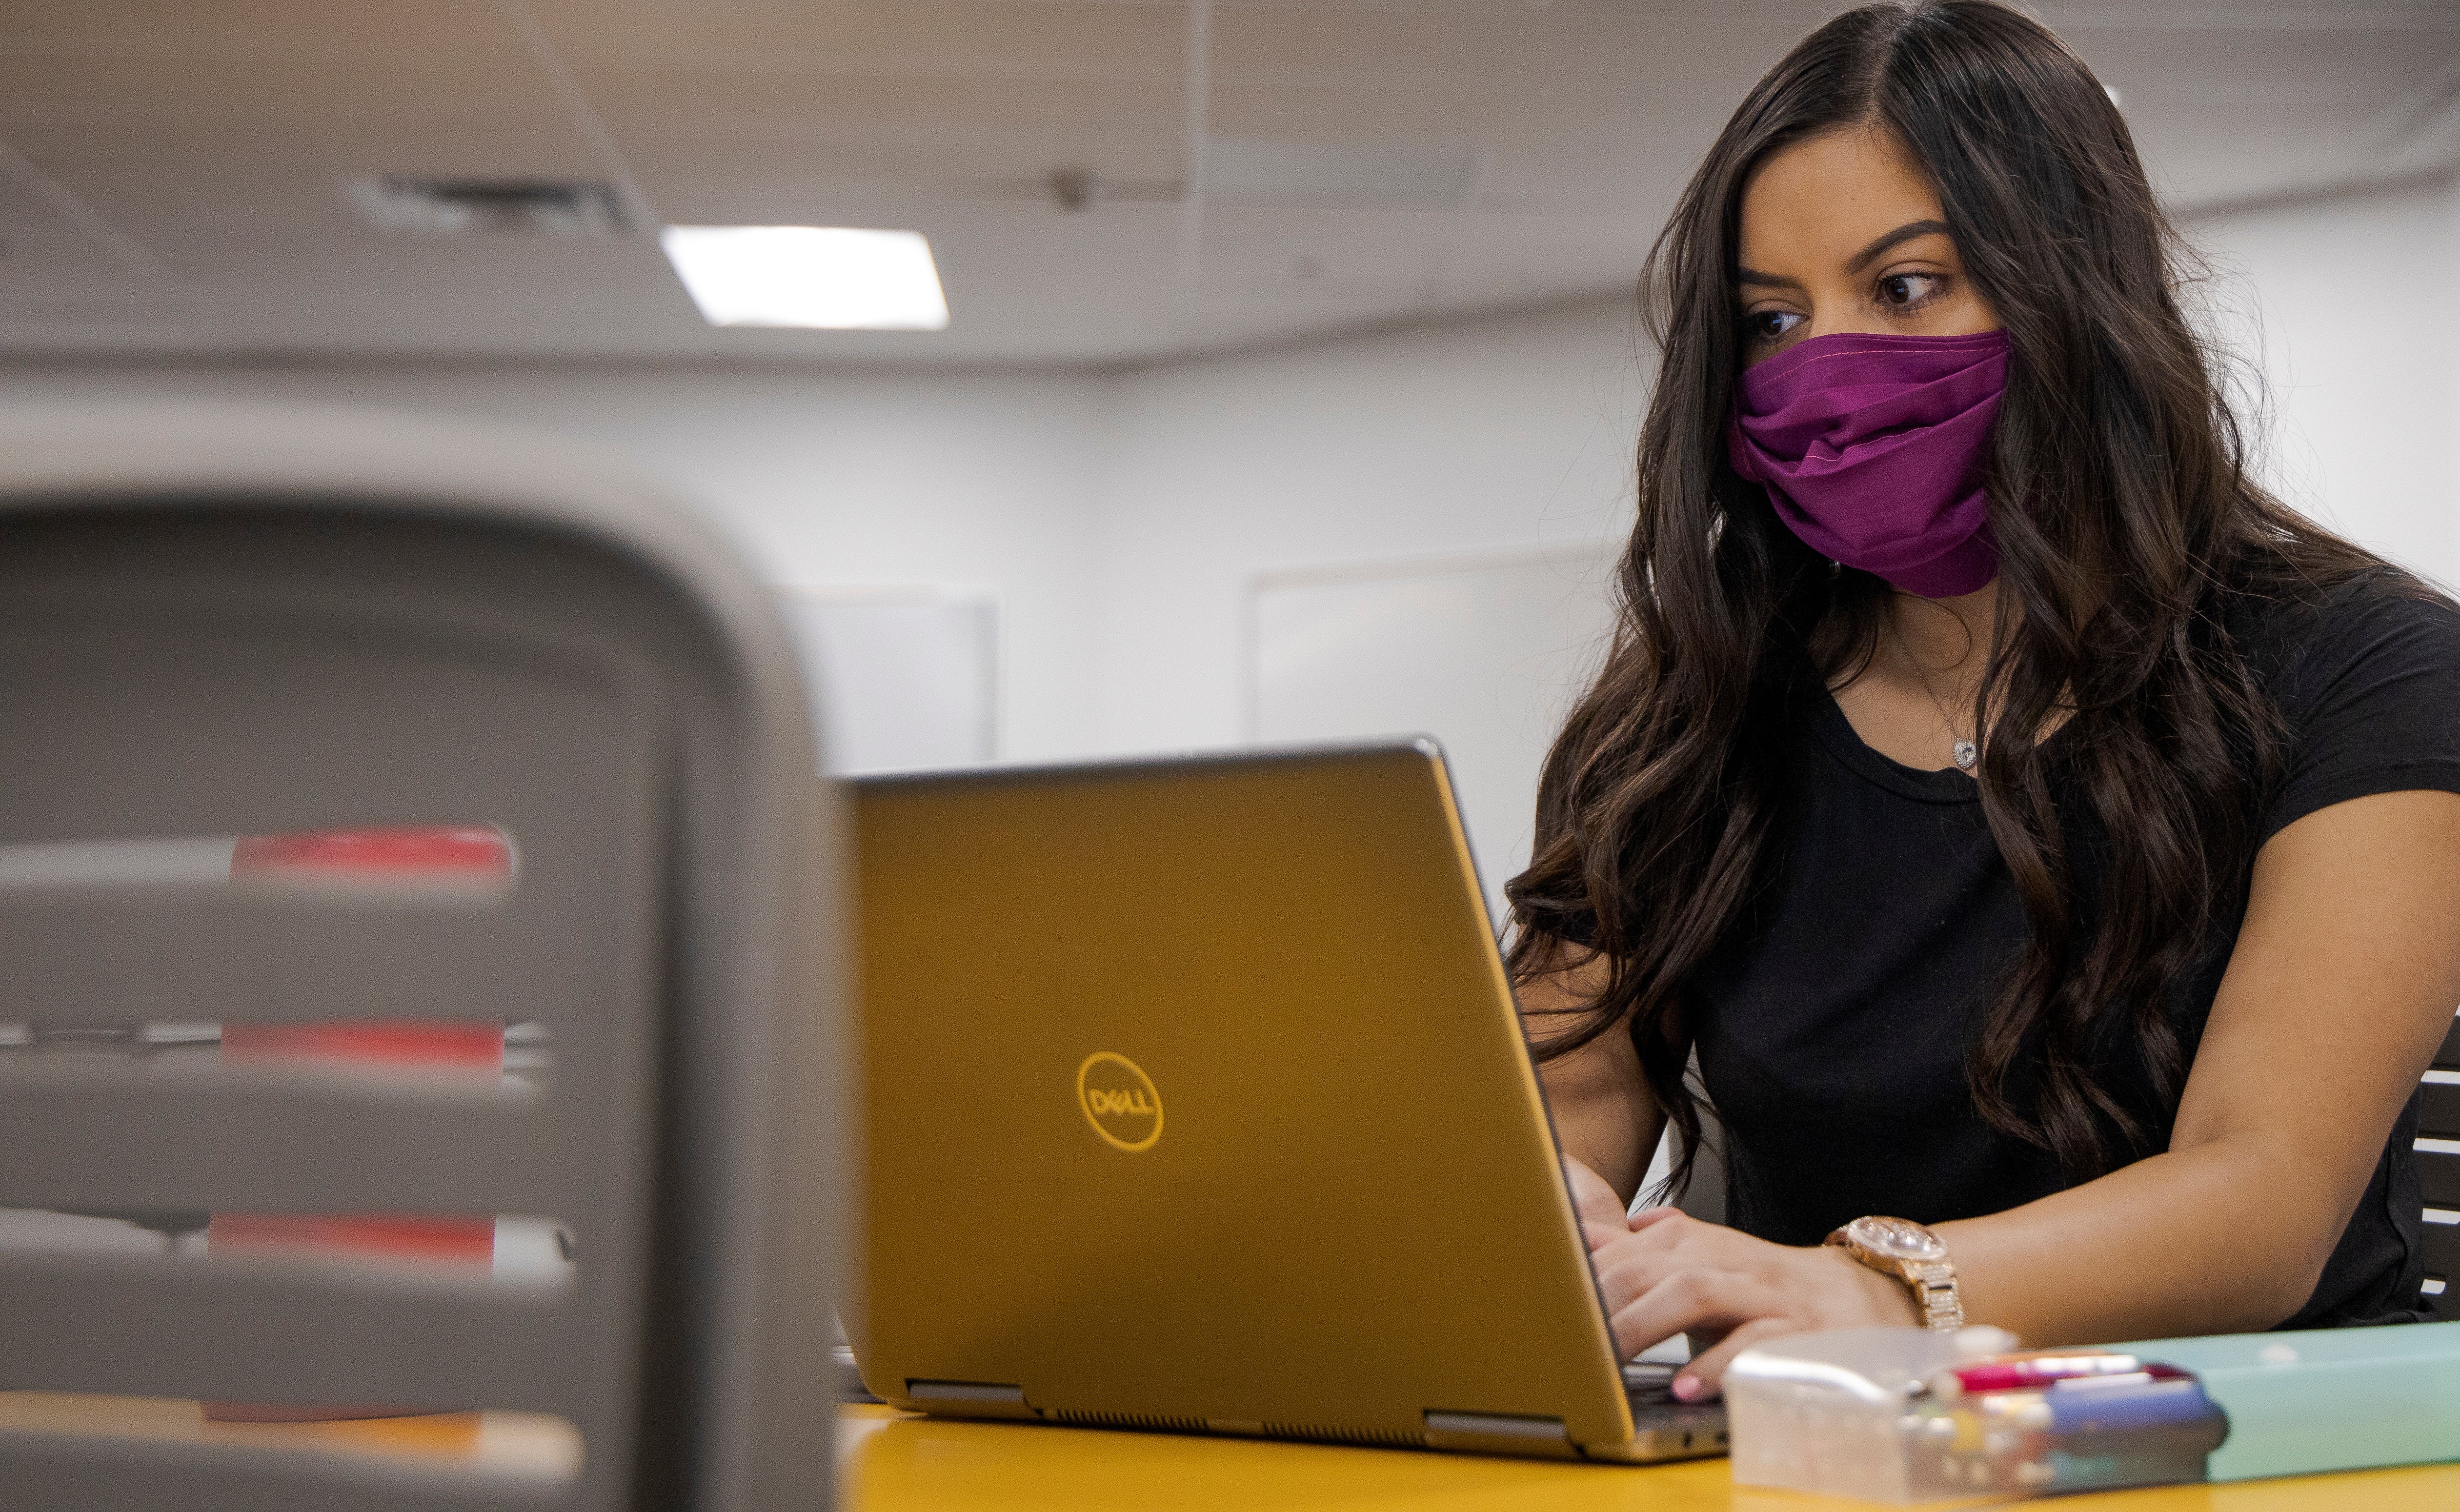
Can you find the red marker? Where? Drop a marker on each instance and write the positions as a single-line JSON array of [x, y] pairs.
[[2029, 1372]]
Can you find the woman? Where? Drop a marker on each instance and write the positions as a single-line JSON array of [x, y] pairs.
[[2028, 826]]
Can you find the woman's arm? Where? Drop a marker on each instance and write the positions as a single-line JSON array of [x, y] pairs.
[[1605, 1117], [2340, 986], [2339, 990]]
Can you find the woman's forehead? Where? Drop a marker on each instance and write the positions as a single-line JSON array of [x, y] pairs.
[[1820, 202]]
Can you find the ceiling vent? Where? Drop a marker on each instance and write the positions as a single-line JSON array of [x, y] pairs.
[[462, 206]]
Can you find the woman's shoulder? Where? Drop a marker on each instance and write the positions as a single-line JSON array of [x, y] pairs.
[[2306, 642], [2366, 677]]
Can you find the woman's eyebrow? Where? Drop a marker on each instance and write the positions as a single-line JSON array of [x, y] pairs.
[[1903, 233], [1858, 262]]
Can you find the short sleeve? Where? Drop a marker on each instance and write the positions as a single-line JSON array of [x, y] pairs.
[[2370, 687]]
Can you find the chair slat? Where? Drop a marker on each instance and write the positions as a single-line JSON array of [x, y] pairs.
[[292, 1334], [2438, 1110], [185, 955], [87, 1134]]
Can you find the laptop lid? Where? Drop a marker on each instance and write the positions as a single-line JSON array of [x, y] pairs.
[[1197, 1098]]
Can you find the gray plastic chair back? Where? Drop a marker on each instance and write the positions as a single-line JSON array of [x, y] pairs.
[[220, 622]]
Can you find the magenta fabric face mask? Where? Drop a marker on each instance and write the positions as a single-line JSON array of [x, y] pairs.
[[1872, 448]]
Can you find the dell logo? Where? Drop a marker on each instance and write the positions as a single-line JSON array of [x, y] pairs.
[[1118, 1099]]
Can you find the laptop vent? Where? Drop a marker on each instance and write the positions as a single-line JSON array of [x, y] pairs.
[[1386, 1437], [1150, 1422]]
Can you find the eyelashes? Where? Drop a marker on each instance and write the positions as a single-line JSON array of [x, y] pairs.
[[1902, 294], [1770, 324], [1896, 295]]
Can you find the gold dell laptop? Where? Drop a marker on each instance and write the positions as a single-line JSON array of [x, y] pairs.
[[1196, 1100]]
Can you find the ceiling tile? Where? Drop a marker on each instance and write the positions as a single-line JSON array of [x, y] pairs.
[[1084, 39], [430, 31], [219, 135]]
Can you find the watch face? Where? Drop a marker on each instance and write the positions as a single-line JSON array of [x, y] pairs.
[[1895, 1239]]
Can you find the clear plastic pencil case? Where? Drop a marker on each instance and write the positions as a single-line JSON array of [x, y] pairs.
[[1906, 1415]]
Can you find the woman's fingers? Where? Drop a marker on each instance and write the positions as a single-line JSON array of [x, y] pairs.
[[1691, 1300], [1660, 1230], [1630, 1263], [1592, 1198], [1600, 1235], [1669, 1274], [1672, 1274], [1706, 1372]]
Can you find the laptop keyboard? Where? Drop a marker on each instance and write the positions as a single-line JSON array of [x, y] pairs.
[[1649, 1385], [1673, 1428]]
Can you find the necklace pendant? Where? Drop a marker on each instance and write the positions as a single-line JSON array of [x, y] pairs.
[[1966, 754]]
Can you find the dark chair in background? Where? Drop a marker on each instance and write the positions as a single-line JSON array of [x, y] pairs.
[[2438, 1160]]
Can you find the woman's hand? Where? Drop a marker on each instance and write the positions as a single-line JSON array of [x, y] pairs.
[[1664, 1273], [1602, 1217]]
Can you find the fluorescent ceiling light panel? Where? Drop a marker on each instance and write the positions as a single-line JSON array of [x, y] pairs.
[[817, 277]]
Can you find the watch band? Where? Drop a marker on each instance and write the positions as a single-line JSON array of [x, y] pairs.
[[1935, 1294]]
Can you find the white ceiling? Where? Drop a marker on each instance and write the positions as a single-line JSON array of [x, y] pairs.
[[174, 173]]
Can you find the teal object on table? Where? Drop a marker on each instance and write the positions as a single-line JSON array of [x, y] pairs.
[[2325, 1400]]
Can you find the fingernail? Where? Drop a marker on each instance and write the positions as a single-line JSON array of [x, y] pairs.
[[1685, 1387]]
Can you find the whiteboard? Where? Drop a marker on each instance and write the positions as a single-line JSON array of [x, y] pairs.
[[898, 677], [1485, 653]]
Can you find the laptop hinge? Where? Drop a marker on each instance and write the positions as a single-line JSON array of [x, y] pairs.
[[963, 1392], [1497, 1433], [970, 1398]]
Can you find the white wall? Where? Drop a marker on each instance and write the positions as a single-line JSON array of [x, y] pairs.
[[2336, 302], [1508, 433], [1120, 518], [825, 479]]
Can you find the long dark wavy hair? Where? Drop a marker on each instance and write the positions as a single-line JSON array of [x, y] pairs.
[[2128, 530]]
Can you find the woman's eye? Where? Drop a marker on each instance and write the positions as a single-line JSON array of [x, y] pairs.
[[1904, 292], [1769, 324]]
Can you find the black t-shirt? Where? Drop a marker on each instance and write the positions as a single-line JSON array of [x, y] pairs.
[[1835, 1026]]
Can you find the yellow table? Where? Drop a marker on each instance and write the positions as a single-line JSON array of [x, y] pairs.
[[892, 1463]]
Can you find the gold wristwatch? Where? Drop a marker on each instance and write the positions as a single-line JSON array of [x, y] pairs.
[[1915, 1256]]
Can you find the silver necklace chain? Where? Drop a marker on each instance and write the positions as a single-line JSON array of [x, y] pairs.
[[1965, 751]]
